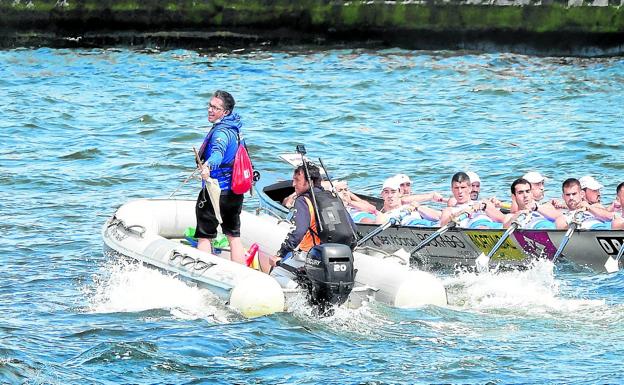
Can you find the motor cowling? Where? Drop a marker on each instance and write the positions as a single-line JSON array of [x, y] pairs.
[[330, 274]]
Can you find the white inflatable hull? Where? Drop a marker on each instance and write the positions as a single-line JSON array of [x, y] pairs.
[[150, 230]]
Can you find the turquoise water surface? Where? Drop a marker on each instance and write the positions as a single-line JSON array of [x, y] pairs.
[[83, 131]]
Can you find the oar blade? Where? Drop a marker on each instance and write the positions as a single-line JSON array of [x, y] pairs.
[[403, 255], [483, 263], [214, 192], [612, 265]]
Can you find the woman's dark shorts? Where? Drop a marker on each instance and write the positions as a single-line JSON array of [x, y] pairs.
[[231, 205]]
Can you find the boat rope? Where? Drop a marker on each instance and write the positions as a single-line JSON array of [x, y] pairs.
[[186, 261], [131, 229]]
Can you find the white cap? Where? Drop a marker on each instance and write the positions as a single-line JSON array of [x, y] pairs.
[[590, 183], [391, 183], [402, 178], [534, 177], [473, 177]]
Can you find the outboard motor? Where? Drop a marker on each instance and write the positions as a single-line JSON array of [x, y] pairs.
[[330, 275]]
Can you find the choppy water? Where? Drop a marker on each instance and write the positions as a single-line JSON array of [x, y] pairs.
[[83, 131]]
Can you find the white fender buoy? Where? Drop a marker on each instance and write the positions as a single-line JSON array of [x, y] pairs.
[[257, 295], [398, 285], [419, 289]]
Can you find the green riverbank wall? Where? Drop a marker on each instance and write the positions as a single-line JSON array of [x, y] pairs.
[[551, 27]]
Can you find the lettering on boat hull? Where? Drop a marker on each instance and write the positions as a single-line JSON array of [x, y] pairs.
[[610, 245], [486, 240]]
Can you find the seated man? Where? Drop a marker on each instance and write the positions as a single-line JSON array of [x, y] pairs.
[[592, 189], [475, 185], [537, 182], [574, 197], [593, 195], [405, 189], [537, 216], [475, 188], [305, 234], [618, 220], [408, 214], [480, 213], [360, 210]]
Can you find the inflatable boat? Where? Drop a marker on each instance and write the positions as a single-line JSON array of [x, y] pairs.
[[151, 231]]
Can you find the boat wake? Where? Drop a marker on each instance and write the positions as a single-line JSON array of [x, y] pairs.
[[365, 320], [127, 286], [536, 291]]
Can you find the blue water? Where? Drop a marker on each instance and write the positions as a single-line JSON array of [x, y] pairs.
[[83, 131]]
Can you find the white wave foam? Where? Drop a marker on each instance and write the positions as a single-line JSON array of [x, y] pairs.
[[365, 320], [130, 287], [535, 291]]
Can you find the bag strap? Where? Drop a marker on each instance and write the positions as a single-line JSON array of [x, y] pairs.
[[202, 148], [238, 136], [315, 235]]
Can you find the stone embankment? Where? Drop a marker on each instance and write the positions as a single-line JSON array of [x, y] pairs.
[[550, 27]]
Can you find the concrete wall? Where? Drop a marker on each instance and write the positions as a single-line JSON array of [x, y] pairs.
[[569, 27]]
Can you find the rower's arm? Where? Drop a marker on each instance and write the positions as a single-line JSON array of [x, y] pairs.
[[362, 204], [618, 223], [428, 212], [549, 211], [445, 216], [494, 212], [600, 212], [511, 218], [416, 198]]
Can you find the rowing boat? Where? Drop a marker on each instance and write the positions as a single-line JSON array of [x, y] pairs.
[[460, 247]]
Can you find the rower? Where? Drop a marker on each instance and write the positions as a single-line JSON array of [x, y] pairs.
[[481, 213], [592, 189], [361, 210], [594, 217], [405, 189], [475, 185], [412, 214], [538, 216], [618, 220], [475, 190]]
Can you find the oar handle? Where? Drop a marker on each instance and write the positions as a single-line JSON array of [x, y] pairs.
[[198, 160], [521, 219]]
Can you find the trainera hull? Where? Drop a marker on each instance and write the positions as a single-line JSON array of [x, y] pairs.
[[460, 247]]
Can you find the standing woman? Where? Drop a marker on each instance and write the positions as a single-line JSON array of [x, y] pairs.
[[217, 156]]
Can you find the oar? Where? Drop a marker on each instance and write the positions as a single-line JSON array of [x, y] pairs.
[[439, 232], [183, 183], [214, 191], [391, 222], [483, 261], [613, 265], [578, 219]]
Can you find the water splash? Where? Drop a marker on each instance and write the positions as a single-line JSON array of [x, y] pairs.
[[531, 292], [130, 287]]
